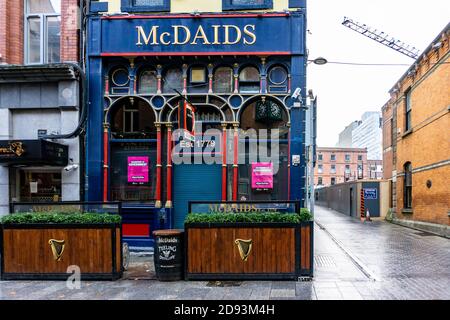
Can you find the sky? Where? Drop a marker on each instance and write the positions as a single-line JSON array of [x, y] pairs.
[[345, 92]]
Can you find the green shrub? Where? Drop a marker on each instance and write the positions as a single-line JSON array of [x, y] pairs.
[[61, 218], [251, 217], [305, 215]]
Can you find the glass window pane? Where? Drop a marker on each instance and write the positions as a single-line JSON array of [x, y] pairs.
[[249, 74], [148, 83], [223, 80], [53, 39], [43, 6], [247, 2], [34, 40], [148, 3], [173, 80]]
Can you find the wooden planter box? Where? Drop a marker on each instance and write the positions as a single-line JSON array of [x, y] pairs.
[[279, 251], [27, 254]]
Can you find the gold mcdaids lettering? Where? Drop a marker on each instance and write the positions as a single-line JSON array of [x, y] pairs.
[[179, 35]]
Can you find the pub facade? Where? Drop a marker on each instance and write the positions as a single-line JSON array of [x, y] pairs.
[[232, 73]]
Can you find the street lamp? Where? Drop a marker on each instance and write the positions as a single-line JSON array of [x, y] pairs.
[[319, 61]]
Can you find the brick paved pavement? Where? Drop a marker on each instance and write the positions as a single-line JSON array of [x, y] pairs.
[[407, 264]]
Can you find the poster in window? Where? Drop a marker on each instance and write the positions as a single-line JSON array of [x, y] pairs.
[[138, 170], [262, 175]]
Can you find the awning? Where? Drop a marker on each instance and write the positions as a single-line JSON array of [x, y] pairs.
[[33, 152]]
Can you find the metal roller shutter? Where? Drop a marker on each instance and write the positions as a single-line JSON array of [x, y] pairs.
[[194, 182]]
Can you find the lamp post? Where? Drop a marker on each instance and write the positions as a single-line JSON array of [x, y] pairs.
[[319, 61]]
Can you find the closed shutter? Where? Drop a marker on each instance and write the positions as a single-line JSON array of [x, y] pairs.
[[194, 182]]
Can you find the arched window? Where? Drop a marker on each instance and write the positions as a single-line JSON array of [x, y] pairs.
[[277, 79], [173, 79], [249, 80], [223, 80], [119, 81], [148, 82], [407, 186]]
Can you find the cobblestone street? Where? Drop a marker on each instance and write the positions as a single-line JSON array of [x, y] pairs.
[[353, 260]]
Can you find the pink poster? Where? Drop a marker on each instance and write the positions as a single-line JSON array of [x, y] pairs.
[[137, 169], [262, 175]]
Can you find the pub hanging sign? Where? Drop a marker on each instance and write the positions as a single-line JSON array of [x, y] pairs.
[[13, 149]]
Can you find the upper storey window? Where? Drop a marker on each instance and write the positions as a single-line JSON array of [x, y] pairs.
[[249, 80], [246, 4], [42, 31], [145, 5]]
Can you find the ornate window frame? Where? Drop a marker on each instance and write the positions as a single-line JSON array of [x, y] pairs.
[[130, 6], [228, 5]]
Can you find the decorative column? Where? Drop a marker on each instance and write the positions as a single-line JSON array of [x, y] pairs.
[[210, 77], [133, 75], [224, 162], [105, 160], [289, 83], [159, 78], [263, 77], [185, 78], [289, 162], [169, 165], [236, 77], [106, 85], [158, 165], [235, 161]]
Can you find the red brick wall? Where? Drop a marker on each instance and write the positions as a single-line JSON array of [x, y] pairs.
[[70, 25], [12, 31]]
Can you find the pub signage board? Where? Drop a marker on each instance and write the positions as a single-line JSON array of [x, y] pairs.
[[33, 152], [215, 35], [244, 206]]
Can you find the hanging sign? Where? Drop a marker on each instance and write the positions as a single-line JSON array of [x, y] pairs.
[[262, 175], [137, 170]]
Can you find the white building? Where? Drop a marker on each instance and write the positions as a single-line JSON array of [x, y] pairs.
[[368, 134], [345, 137]]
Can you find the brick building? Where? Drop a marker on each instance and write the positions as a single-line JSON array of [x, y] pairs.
[[338, 165], [416, 140], [39, 100]]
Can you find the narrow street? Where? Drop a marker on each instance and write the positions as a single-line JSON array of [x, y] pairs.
[[353, 260]]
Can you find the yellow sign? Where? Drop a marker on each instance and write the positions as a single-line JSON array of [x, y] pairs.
[[15, 148], [181, 35], [57, 247], [244, 247]]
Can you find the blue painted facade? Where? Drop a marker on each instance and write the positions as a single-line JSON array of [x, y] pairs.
[[119, 42]]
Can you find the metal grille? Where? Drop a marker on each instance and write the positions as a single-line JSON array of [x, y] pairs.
[[324, 261]]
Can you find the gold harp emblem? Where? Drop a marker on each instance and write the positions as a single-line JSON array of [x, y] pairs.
[[57, 248], [245, 247]]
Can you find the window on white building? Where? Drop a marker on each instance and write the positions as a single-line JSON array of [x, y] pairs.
[[42, 31]]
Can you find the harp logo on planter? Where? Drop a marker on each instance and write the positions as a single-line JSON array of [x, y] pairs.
[[137, 170], [57, 247], [244, 247], [262, 175]]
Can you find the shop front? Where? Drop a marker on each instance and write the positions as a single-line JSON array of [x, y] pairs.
[[38, 103], [241, 137]]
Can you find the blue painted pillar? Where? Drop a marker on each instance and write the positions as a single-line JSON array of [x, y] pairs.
[[298, 113], [94, 141]]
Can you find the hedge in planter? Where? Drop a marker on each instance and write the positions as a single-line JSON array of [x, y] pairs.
[[251, 245], [44, 245]]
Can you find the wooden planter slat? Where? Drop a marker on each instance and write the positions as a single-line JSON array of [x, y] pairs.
[[279, 251], [95, 249]]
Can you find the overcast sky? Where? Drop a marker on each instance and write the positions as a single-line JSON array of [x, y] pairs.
[[346, 92]]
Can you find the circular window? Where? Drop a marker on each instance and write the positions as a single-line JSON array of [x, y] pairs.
[[120, 77], [277, 75]]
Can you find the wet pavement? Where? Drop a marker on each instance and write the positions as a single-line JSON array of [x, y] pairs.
[[353, 260]]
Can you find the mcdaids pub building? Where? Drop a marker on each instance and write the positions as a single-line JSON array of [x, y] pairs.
[[153, 68]]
